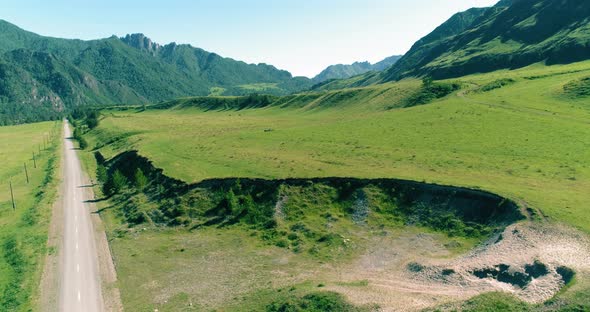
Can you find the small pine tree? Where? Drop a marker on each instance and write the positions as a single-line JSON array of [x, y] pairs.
[[119, 182], [107, 187], [141, 180], [233, 206], [101, 174], [254, 215], [160, 189]]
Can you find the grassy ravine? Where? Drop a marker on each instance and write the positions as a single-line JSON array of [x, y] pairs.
[[23, 232], [526, 140], [146, 196], [307, 220]]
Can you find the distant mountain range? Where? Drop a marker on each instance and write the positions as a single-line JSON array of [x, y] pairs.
[[511, 34], [41, 76], [341, 71]]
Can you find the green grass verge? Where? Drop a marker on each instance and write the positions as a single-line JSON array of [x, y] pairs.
[[23, 232]]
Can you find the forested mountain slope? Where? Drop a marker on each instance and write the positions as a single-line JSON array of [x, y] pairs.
[[42, 76], [511, 34]]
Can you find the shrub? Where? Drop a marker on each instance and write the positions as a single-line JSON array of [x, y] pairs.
[[313, 302], [566, 273], [577, 88], [77, 133], [141, 180], [415, 267], [133, 213], [83, 143], [495, 302], [92, 120], [497, 84], [101, 174], [107, 187], [119, 181], [431, 91], [99, 158], [78, 137], [282, 243], [255, 214], [12, 254], [9, 298], [232, 204], [427, 81]]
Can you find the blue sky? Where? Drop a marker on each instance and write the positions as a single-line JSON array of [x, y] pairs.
[[302, 36]]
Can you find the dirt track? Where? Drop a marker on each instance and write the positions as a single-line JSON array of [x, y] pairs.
[[412, 273]]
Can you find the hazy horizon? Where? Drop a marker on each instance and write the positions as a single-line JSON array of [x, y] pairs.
[[300, 37]]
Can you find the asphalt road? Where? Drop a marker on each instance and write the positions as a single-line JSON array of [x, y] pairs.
[[80, 288]]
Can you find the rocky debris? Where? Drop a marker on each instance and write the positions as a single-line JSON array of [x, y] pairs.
[[532, 261], [360, 208], [279, 212]]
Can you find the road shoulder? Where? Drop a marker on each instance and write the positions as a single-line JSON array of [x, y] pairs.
[[49, 285]]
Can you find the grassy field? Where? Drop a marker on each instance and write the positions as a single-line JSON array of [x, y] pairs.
[[23, 232], [224, 269], [516, 133], [528, 140]]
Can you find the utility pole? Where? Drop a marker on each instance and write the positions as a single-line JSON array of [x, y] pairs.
[[12, 196], [34, 161], [26, 173]]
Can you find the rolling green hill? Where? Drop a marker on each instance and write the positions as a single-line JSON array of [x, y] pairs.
[[341, 71], [454, 26], [511, 34], [42, 76]]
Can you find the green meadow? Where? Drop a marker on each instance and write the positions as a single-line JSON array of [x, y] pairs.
[[527, 140], [23, 231], [453, 178], [522, 134]]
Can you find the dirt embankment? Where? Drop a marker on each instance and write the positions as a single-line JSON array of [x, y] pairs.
[[469, 205]]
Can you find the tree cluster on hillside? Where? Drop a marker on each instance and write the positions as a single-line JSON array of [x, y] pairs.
[[430, 91]]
